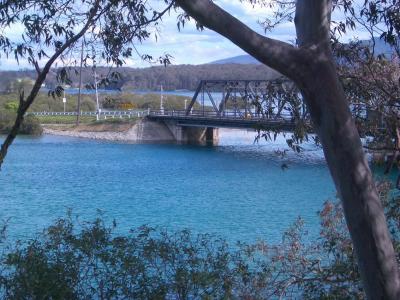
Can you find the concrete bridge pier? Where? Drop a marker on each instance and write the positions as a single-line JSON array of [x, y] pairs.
[[212, 136], [192, 134]]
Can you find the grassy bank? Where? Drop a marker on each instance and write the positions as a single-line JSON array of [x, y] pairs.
[[111, 126], [64, 119]]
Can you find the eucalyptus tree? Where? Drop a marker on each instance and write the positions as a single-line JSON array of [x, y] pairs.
[[51, 30], [311, 65]]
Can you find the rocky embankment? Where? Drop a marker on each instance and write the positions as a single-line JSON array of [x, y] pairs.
[[141, 131]]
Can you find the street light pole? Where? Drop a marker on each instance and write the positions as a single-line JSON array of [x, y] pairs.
[[162, 101], [64, 101], [78, 109], [97, 96]]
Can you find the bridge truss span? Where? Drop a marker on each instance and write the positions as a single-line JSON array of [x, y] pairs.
[[262, 99]]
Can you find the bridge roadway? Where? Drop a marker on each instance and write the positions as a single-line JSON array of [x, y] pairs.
[[227, 119]]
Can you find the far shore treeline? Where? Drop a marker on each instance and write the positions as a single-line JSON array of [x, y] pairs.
[[172, 77]]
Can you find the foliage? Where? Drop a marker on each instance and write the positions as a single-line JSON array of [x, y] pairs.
[[11, 106], [372, 86], [88, 260], [144, 101], [45, 103], [379, 17], [88, 102], [30, 125], [6, 118], [92, 263]]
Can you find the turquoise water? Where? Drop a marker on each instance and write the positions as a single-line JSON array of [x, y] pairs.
[[237, 190]]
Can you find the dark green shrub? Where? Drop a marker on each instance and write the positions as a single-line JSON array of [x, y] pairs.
[[31, 124], [95, 264], [6, 121], [88, 104]]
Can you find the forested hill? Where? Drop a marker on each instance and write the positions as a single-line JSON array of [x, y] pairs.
[[172, 77]]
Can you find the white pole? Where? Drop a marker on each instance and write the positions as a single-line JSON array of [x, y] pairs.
[[78, 107], [64, 101], [162, 101], [185, 104], [97, 95]]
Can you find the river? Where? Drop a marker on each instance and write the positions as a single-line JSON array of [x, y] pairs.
[[237, 190]]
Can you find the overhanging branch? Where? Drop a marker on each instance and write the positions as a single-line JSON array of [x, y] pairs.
[[278, 55]]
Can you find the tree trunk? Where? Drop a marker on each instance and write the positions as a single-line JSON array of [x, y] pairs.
[[344, 154], [312, 68], [353, 180]]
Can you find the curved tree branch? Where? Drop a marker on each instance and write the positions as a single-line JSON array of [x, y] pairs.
[[278, 55]]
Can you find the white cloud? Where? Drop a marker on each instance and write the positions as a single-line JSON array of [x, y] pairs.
[[190, 46]]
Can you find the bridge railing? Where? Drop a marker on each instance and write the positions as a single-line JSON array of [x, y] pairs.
[[226, 114], [134, 113]]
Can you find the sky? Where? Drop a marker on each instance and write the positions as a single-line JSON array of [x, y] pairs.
[[190, 46]]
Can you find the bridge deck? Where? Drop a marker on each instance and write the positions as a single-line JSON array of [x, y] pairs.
[[230, 120], [111, 113]]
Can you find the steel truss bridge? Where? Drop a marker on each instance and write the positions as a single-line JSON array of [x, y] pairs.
[[253, 104], [262, 104]]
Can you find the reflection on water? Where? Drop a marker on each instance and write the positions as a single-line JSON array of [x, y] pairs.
[[244, 142]]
